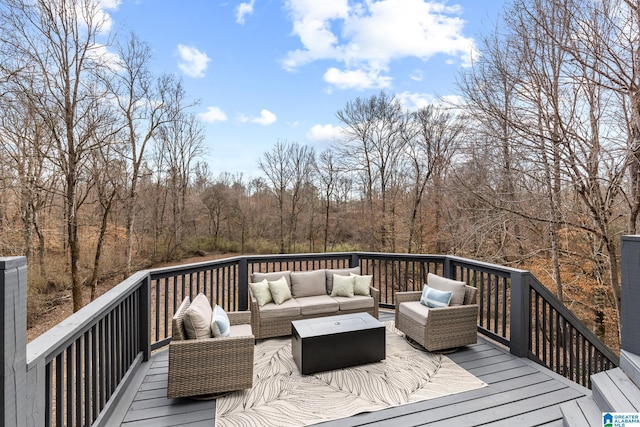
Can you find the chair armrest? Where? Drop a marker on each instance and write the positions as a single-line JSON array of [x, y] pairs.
[[457, 313], [407, 296], [239, 317]]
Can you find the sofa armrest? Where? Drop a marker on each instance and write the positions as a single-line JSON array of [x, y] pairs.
[[254, 309]]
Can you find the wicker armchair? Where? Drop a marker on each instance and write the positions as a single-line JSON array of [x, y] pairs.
[[200, 367], [438, 328]]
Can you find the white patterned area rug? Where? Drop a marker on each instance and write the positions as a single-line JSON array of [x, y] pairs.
[[282, 396]]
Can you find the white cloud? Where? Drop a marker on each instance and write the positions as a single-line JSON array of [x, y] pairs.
[[192, 62], [266, 118], [356, 79], [212, 115], [417, 75], [415, 101], [244, 9], [367, 36], [324, 133]]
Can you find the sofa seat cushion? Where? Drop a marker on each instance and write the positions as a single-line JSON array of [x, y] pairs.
[[308, 283], [356, 302], [289, 308], [243, 330], [415, 311], [317, 305]]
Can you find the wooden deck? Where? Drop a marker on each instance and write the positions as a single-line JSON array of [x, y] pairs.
[[520, 393]]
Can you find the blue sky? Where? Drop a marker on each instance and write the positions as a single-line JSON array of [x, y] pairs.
[[270, 70]]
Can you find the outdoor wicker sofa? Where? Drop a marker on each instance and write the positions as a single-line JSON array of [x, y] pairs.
[[310, 297], [439, 328], [210, 366]]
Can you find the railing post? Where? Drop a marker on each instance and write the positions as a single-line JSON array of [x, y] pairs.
[[630, 295], [354, 261], [145, 318], [520, 314], [446, 268], [13, 357], [243, 285]]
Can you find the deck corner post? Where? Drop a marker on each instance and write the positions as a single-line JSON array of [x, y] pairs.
[[13, 282], [243, 284], [630, 294], [520, 314]]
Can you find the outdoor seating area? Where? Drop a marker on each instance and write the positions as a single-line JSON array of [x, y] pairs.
[[281, 297], [140, 355]]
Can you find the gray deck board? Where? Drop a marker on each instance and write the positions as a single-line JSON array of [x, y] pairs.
[[519, 392]]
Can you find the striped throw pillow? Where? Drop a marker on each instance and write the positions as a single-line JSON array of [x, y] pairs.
[[434, 298], [220, 325]]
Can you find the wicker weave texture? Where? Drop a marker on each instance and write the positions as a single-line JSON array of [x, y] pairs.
[[445, 328], [211, 365]]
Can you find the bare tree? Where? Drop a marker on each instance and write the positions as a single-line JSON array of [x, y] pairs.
[[327, 174], [372, 143], [275, 165], [54, 44], [431, 145], [181, 143], [146, 102]]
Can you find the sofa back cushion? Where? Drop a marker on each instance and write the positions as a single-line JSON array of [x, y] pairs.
[[340, 272], [271, 277], [308, 283]]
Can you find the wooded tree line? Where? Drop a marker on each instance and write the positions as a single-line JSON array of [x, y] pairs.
[[536, 166]]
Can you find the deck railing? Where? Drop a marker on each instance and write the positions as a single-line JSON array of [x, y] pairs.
[[77, 371]]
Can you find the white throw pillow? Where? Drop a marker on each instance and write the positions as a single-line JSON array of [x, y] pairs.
[[220, 325], [197, 318], [362, 284], [280, 291], [342, 286], [261, 291]]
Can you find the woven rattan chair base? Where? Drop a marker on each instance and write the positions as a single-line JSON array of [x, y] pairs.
[[415, 344]]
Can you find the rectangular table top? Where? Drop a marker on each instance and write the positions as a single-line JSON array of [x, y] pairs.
[[341, 323]]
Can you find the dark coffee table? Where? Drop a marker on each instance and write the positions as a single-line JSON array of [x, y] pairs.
[[334, 342]]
